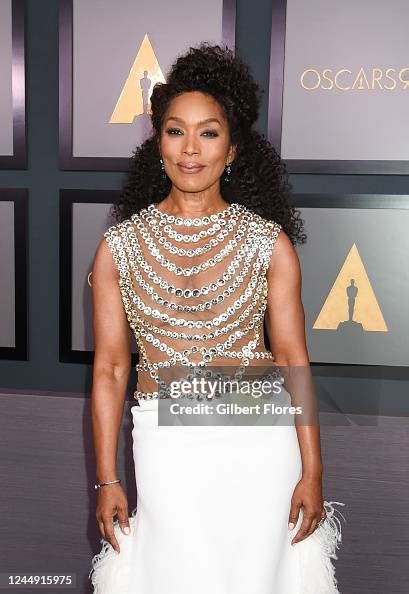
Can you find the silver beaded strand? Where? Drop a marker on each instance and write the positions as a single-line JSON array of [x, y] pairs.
[[257, 237]]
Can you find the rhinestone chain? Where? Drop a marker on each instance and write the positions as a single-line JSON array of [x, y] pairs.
[[197, 222], [259, 238]]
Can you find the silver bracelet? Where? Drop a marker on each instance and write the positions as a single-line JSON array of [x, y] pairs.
[[99, 485]]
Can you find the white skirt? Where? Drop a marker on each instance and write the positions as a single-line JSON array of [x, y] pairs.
[[212, 515]]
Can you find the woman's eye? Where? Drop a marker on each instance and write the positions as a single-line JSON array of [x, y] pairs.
[[171, 132]]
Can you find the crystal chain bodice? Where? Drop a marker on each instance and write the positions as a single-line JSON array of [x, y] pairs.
[[193, 289]]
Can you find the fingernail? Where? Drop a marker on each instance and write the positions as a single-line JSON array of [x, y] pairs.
[[126, 530], [290, 526]]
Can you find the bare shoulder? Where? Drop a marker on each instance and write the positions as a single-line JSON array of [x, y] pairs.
[[284, 259], [104, 264]]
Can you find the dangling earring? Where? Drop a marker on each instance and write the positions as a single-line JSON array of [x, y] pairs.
[[163, 168], [227, 177]]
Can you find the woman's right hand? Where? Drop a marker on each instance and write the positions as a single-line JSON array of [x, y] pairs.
[[112, 500]]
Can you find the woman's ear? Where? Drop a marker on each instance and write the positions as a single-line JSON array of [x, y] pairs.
[[232, 153]]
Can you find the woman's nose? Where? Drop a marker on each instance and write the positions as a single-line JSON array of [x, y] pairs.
[[190, 146]]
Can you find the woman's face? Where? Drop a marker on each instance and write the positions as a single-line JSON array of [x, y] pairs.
[[195, 144]]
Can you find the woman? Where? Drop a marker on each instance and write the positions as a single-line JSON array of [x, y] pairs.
[[202, 256]]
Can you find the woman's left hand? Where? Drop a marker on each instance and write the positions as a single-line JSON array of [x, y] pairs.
[[308, 494]]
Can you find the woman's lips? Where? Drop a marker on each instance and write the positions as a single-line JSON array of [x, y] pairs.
[[190, 169]]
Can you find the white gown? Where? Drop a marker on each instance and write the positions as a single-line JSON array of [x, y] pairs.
[[212, 515], [212, 501]]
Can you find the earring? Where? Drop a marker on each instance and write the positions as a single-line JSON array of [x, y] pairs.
[[163, 168], [227, 177]]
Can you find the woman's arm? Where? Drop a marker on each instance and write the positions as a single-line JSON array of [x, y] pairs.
[[285, 323], [112, 364]]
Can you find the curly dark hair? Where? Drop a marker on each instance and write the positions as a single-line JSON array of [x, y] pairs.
[[258, 176]]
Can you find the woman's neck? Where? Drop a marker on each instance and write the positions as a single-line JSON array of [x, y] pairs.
[[192, 207]]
